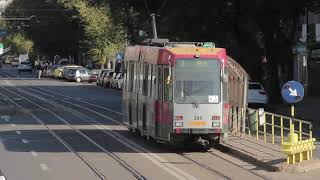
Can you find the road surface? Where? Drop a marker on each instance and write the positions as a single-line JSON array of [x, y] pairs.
[[52, 129]]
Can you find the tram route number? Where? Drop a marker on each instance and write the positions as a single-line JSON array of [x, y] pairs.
[[197, 118]]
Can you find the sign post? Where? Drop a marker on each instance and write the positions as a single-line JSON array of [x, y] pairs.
[[292, 92]]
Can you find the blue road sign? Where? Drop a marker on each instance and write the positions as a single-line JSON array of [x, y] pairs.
[[120, 56], [292, 92]]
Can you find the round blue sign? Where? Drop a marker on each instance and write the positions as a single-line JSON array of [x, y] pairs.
[[292, 92]]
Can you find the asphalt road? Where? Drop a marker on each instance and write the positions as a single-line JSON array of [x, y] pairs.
[[52, 129]]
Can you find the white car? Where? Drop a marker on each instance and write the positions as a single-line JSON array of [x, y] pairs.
[[25, 66], [257, 94]]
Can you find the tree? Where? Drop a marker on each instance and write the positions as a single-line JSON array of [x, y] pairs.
[[20, 44], [104, 36]]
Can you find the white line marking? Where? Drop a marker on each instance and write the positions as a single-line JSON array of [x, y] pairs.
[[5, 117], [24, 141], [171, 169], [18, 132], [44, 167], [13, 125], [33, 153], [2, 178]]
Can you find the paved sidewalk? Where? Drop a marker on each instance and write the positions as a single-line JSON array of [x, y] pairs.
[[265, 155], [307, 109]]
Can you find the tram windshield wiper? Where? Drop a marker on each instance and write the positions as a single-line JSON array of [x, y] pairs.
[[194, 101]]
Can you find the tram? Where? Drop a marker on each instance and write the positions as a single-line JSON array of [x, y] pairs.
[[176, 92]]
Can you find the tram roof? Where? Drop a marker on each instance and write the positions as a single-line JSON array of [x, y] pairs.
[[159, 55]]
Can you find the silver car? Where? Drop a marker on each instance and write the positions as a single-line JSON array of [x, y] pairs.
[[78, 75], [117, 81]]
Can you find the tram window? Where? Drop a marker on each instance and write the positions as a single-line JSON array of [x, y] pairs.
[[154, 82], [141, 77], [131, 76], [167, 85], [139, 74], [145, 80], [149, 81], [160, 83]]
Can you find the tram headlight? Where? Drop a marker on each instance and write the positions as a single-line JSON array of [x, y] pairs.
[[216, 124], [178, 124]]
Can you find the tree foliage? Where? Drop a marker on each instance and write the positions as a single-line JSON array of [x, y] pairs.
[[19, 43], [104, 36]]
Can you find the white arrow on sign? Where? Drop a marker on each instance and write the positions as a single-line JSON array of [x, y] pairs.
[[293, 92]]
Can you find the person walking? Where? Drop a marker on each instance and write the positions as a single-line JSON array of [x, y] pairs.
[[40, 69]]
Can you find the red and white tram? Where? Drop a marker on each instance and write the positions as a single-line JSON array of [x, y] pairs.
[[176, 93]]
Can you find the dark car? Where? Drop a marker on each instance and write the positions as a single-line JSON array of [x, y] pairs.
[[93, 78]]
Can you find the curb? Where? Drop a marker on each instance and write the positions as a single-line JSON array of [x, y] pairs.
[[250, 159]]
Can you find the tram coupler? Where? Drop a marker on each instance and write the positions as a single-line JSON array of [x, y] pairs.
[[201, 141]]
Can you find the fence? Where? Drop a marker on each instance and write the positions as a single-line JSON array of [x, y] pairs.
[[266, 126]]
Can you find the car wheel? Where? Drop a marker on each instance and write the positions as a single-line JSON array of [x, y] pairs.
[[78, 79], [89, 82]]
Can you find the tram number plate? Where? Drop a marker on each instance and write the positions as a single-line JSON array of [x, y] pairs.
[[198, 123]]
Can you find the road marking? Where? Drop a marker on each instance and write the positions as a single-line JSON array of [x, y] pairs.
[[2, 178], [33, 153], [18, 132], [5, 118], [24, 141], [13, 125], [44, 167], [169, 168]]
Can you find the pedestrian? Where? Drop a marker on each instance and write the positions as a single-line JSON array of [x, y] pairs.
[[40, 69]]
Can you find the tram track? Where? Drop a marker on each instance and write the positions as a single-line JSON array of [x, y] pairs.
[[200, 164], [82, 157], [208, 168], [220, 148], [178, 173], [233, 163]]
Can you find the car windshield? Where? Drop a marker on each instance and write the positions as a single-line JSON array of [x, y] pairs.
[[197, 81], [255, 86], [25, 63]]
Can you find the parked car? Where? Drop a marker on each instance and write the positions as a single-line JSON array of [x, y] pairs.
[[66, 68], [101, 76], [257, 96], [25, 66], [8, 59], [117, 81], [107, 79], [93, 78], [78, 75], [15, 62], [58, 72]]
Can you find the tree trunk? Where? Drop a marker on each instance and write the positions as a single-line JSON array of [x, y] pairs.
[[102, 65]]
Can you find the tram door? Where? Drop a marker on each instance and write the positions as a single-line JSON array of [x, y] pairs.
[[158, 103], [164, 106], [167, 106]]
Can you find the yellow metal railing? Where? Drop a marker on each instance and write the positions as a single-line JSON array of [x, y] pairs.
[[297, 150], [274, 127]]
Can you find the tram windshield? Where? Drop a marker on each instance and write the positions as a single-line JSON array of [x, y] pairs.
[[197, 81]]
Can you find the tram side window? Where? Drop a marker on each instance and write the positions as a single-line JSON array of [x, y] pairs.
[[160, 83], [125, 77], [167, 85], [149, 81], [145, 80], [131, 76], [141, 73], [154, 82]]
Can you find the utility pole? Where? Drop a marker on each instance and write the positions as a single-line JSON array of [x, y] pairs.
[[154, 26]]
